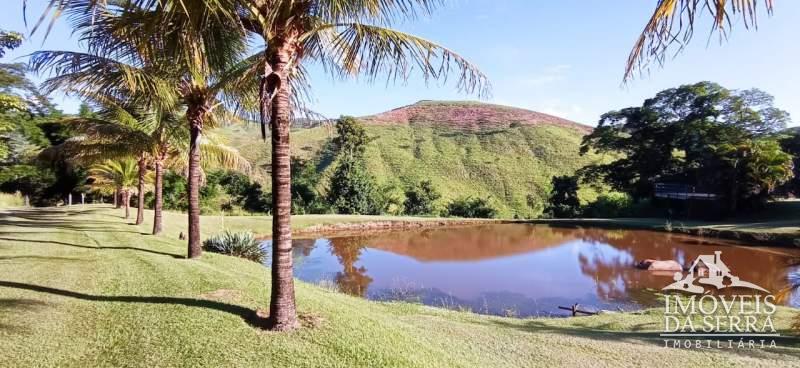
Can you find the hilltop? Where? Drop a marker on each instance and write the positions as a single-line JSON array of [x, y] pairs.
[[463, 148], [469, 115]]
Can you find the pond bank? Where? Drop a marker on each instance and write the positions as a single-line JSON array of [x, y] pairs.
[[782, 233], [350, 228]]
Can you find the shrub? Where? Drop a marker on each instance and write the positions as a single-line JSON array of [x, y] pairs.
[[241, 244], [421, 199], [471, 208], [564, 202], [305, 197], [389, 200], [175, 191], [610, 205], [353, 189]]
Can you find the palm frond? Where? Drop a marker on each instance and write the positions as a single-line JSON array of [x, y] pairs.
[[90, 75], [215, 155], [673, 21], [122, 173], [350, 49]]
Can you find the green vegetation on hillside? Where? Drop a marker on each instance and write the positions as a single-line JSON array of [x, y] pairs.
[[81, 288], [511, 166]]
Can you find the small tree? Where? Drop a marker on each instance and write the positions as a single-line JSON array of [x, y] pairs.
[[353, 189], [421, 199], [351, 138], [564, 200], [469, 207], [305, 197], [120, 174]]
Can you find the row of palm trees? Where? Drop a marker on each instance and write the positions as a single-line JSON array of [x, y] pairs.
[[133, 146], [191, 58], [147, 59]]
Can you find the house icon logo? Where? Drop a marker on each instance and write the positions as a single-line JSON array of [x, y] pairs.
[[708, 270]]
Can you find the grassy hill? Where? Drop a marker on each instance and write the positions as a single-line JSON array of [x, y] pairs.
[[464, 148]]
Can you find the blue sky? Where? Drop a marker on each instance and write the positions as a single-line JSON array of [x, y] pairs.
[[560, 57]]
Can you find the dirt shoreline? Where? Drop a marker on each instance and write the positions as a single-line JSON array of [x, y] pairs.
[[787, 240], [371, 227]]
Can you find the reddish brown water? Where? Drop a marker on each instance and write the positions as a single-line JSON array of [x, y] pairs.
[[525, 270]]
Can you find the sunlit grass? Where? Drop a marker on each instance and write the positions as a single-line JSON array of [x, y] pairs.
[[11, 200], [80, 287]]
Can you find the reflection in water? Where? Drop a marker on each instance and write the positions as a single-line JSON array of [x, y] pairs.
[[352, 279], [522, 269]]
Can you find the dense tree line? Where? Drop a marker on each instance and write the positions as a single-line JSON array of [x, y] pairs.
[[28, 125], [703, 136], [351, 189]]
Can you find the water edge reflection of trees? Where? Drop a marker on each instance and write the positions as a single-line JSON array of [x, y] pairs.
[[604, 256]]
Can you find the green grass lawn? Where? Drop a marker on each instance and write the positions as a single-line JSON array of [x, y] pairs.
[[80, 287]]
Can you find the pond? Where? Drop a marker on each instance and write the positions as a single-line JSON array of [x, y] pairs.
[[524, 269]]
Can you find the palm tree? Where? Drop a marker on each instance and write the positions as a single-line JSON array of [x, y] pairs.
[[121, 174], [160, 52], [349, 38], [157, 139], [672, 23]]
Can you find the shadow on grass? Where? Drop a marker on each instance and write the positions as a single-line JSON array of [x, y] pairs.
[[247, 314], [601, 332], [52, 219], [7, 304], [90, 247], [41, 258], [7, 307]]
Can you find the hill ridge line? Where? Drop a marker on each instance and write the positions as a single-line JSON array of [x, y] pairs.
[[468, 115]]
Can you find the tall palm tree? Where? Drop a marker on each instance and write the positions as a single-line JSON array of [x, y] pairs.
[[672, 24], [122, 174], [155, 49], [349, 38]]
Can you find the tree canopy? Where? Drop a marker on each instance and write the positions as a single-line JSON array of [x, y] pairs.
[[721, 141]]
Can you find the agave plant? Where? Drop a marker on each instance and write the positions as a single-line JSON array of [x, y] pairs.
[[237, 244]]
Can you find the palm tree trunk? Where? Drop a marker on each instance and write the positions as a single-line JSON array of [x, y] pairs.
[[140, 196], [282, 308], [126, 200], [194, 114], [159, 188]]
